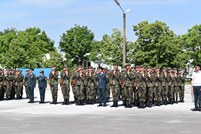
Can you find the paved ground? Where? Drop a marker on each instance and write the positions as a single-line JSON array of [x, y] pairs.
[[19, 117]]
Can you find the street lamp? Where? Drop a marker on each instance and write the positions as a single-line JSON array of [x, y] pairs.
[[124, 31]]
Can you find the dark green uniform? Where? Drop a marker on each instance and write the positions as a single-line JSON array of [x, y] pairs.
[[142, 90], [18, 85], [157, 89], [150, 89], [181, 79], [90, 88], [65, 87], [53, 77], [2, 90]]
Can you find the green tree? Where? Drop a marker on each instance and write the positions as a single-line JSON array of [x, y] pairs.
[[76, 44], [24, 48], [156, 45], [192, 44]]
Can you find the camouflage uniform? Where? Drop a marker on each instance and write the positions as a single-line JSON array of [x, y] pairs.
[[165, 87], [1, 85], [150, 90], [25, 85], [65, 87], [176, 87], [171, 87], [114, 78], [181, 78], [53, 77], [18, 85], [157, 89]]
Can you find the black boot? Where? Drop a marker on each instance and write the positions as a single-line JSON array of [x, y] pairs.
[[130, 104], [113, 104], [116, 104], [127, 104]]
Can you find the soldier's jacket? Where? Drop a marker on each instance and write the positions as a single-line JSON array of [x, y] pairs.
[[80, 80], [114, 79], [1, 79], [171, 80], [175, 81], [157, 80], [53, 78], [141, 80], [165, 80], [25, 79], [91, 80], [181, 80], [18, 80], [65, 80], [74, 79], [128, 77], [149, 80]]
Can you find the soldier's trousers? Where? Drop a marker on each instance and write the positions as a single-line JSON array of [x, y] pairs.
[[8, 91], [176, 93], [1, 92], [80, 93], [27, 91], [171, 93], [42, 94], [65, 91], [150, 93], [157, 94], [136, 95], [107, 91], [31, 94], [75, 92], [54, 90], [128, 92], [142, 94], [18, 91], [165, 93], [115, 92], [181, 93], [90, 92]]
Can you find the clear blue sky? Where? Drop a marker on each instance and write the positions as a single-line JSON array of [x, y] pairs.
[[101, 16]]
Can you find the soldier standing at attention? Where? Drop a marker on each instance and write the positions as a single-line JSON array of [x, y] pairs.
[[176, 86], [65, 85], [1, 85], [7, 84], [165, 86], [80, 85], [21, 83], [181, 85], [149, 82], [25, 83], [171, 87], [53, 78], [18, 86], [74, 84], [157, 87], [107, 72], [42, 85], [102, 79], [114, 78], [31, 83]]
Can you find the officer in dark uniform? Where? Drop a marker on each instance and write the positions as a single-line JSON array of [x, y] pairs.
[[31, 83], [42, 85]]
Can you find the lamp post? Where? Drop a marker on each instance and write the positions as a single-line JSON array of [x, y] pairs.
[[124, 32]]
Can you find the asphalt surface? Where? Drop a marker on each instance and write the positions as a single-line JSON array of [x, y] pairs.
[[19, 117]]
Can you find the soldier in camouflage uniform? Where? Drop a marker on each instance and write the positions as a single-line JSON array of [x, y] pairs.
[[18, 84], [150, 85], [157, 87], [107, 72], [182, 79], [21, 83], [165, 85], [176, 86], [90, 86], [80, 85], [12, 83], [53, 78], [1, 85], [171, 87], [114, 78], [74, 83], [25, 83], [128, 90], [141, 87], [122, 84], [65, 84]]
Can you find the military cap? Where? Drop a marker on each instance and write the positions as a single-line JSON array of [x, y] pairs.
[[65, 66], [101, 68], [128, 64], [41, 71], [32, 69]]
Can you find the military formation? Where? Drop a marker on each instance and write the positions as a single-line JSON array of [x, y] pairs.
[[134, 86]]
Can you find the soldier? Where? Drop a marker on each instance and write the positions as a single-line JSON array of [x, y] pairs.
[[1, 84], [150, 85], [107, 72], [25, 83], [12, 83], [171, 87], [157, 87], [176, 86], [128, 91], [21, 83], [18, 86], [165, 85], [182, 79], [114, 78], [7, 86], [42, 85], [53, 78], [65, 84], [122, 83], [31, 83], [74, 83], [80, 86], [136, 81], [141, 87], [91, 81]]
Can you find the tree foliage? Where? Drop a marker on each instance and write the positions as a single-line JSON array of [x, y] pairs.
[[23, 48], [76, 44]]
